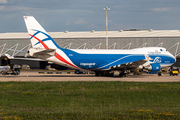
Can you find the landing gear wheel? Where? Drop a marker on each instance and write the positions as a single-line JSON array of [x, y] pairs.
[[121, 74], [111, 74], [125, 75], [160, 73], [96, 73], [3, 73]]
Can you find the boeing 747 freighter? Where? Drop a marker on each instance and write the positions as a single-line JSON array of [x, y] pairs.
[[101, 61]]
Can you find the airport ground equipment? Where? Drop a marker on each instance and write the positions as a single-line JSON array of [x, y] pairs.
[[25, 66], [15, 71], [173, 71], [6, 70]]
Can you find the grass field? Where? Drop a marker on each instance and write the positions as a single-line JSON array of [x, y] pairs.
[[89, 100]]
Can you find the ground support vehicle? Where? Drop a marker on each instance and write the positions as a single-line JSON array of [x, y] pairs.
[[6, 70], [174, 71]]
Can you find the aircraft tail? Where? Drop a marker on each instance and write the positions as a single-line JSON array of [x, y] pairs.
[[38, 36]]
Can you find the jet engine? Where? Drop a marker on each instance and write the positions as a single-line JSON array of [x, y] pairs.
[[153, 68]]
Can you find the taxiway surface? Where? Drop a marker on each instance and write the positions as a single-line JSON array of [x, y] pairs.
[[35, 76]]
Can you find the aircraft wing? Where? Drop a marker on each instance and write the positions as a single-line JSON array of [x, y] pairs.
[[130, 65], [127, 62], [134, 64]]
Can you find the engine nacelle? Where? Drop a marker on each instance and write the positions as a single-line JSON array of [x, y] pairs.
[[153, 68]]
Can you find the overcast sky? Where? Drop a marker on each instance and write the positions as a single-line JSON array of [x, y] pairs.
[[87, 15]]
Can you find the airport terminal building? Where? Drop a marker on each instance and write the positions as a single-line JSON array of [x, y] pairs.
[[16, 44]]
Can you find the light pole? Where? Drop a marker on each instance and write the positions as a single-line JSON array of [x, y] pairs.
[[106, 8]]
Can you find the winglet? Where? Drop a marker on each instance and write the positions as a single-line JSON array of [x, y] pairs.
[[9, 56]]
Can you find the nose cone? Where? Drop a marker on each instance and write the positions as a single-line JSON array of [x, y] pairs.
[[173, 58]]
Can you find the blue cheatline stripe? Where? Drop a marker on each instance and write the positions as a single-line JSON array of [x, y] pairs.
[[115, 61]]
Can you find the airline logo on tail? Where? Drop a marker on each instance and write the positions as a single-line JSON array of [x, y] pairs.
[[46, 38]]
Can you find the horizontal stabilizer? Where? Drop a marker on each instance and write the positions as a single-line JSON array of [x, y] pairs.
[[41, 52]]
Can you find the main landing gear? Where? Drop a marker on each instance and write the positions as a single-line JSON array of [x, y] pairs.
[[104, 73], [111, 73], [123, 74]]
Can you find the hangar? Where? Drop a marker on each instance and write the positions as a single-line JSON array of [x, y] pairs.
[[14, 43]]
